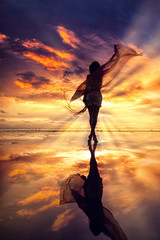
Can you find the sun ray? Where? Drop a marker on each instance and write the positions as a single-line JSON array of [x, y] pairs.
[[106, 126]]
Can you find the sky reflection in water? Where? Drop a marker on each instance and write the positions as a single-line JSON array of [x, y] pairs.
[[33, 165]]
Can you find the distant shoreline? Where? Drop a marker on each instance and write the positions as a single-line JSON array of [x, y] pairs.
[[78, 130]]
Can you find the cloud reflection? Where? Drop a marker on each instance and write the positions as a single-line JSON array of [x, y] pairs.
[[35, 166], [62, 220]]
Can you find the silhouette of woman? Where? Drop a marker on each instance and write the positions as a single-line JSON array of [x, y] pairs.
[[93, 99], [87, 193], [91, 87]]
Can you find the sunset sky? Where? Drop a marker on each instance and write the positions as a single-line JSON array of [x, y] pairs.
[[47, 46]]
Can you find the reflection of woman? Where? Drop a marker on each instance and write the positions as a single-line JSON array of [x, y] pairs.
[[90, 88], [89, 200]]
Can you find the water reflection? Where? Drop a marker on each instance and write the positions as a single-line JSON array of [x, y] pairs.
[[87, 193], [31, 171]]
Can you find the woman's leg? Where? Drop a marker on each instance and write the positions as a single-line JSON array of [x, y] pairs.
[[93, 113], [90, 110], [94, 121]]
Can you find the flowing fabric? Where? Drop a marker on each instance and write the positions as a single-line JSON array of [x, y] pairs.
[[74, 182], [111, 225], [107, 72]]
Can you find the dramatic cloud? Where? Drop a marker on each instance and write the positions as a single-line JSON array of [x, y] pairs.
[[41, 97], [35, 210], [62, 220], [34, 44], [76, 70], [3, 38], [38, 52], [43, 195], [68, 36], [52, 59], [17, 172], [29, 79], [49, 62]]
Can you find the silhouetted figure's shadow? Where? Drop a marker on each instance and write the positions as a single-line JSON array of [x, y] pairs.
[[88, 196]]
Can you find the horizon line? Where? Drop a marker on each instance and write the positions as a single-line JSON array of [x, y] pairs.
[[79, 130]]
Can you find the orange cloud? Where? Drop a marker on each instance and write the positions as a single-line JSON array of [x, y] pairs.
[[31, 80], [22, 84], [30, 212], [62, 220], [17, 172], [36, 44], [49, 62], [38, 199], [28, 85], [68, 36], [2, 38], [26, 212], [43, 195]]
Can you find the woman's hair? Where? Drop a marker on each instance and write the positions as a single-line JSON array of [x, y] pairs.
[[93, 67]]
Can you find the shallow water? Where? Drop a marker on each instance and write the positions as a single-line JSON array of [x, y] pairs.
[[33, 165]]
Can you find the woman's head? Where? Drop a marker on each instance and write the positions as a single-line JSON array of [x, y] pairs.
[[93, 67]]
